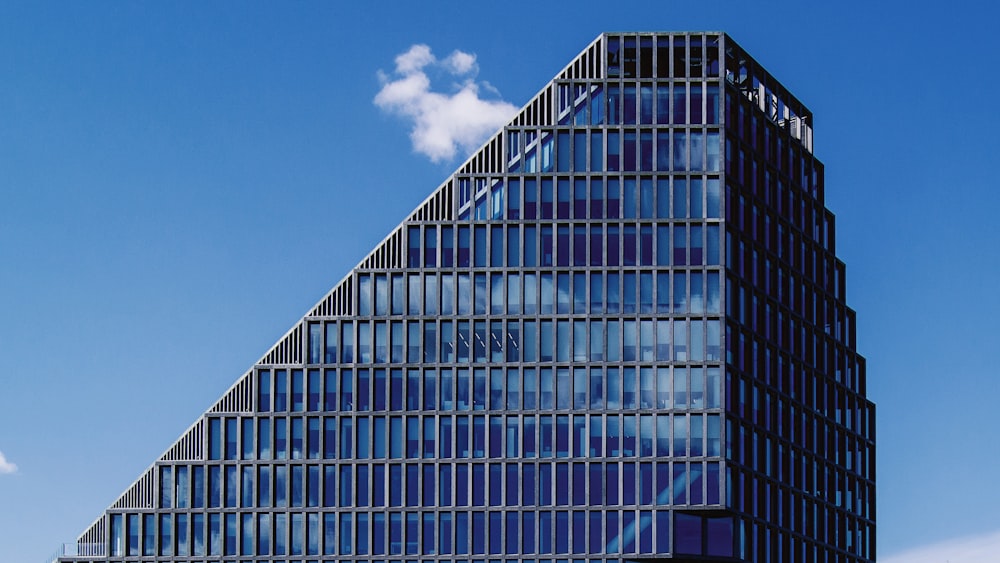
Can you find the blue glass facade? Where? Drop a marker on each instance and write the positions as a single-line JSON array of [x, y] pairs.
[[617, 332]]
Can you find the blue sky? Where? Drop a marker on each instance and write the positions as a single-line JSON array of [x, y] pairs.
[[180, 182]]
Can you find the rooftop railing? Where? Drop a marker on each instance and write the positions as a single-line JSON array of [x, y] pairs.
[[79, 550]]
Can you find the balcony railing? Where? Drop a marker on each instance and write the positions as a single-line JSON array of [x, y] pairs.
[[79, 551]]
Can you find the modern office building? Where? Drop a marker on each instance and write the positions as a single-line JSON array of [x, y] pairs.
[[617, 332]]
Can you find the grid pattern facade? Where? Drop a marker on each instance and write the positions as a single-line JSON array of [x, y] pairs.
[[617, 332]]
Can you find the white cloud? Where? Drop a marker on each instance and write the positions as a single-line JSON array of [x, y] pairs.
[[460, 63], [442, 122], [414, 60], [972, 549], [6, 467]]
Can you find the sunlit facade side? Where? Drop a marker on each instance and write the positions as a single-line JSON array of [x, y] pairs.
[[617, 332]]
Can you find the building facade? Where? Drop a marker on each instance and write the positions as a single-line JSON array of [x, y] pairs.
[[617, 332]]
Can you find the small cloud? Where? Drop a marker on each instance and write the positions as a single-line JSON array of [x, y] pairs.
[[460, 63], [973, 549], [442, 122], [414, 60], [6, 467]]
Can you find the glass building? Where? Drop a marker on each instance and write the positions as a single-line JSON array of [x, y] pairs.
[[617, 332]]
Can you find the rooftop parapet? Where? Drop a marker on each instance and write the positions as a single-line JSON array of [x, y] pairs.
[[780, 106]]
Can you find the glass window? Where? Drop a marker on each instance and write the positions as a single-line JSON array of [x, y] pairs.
[[663, 380], [547, 389], [614, 104], [413, 257], [613, 437], [629, 244], [463, 386], [365, 281], [680, 152], [628, 540], [398, 295], [662, 103], [696, 256], [396, 389], [430, 344], [378, 533], [481, 297], [579, 245], [546, 247], [562, 436], [381, 295], [496, 341], [478, 437], [697, 433], [347, 348], [596, 291], [687, 534], [696, 100], [263, 533], [461, 484], [413, 341], [546, 341], [547, 294], [315, 342], [133, 534], [562, 246], [297, 439], [680, 103], [479, 389], [264, 390], [612, 532], [629, 340], [680, 341], [480, 251], [214, 534], [312, 486], [280, 485], [579, 293], [712, 253], [596, 341], [496, 438], [182, 484], [563, 386], [596, 152], [563, 345], [614, 153], [663, 153], [447, 390], [430, 248], [395, 533], [596, 105], [530, 385], [361, 449], [530, 293], [166, 485], [414, 283], [412, 437], [529, 437], [447, 248], [579, 436], [629, 103], [364, 342], [545, 436], [463, 252], [645, 150], [712, 103], [714, 389], [444, 424], [646, 102]]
